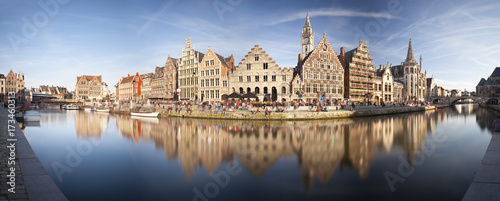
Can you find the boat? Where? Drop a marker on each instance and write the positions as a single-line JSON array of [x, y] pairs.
[[71, 107], [441, 107], [32, 115], [145, 114], [102, 110], [89, 109]]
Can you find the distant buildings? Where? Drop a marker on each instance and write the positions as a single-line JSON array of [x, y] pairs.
[[410, 72], [88, 87], [319, 76], [489, 87], [129, 88]]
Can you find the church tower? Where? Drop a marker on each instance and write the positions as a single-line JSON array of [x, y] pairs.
[[307, 38]]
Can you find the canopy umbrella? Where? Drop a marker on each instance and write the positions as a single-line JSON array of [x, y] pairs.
[[250, 95], [234, 95]]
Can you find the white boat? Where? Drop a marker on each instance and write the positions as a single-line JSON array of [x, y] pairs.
[[32, 115], [102, 110], [72, 107], [145, 114], [89, 109]]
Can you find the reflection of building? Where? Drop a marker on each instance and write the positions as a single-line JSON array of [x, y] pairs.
[[320, 146], [90, 124], [319, 152]]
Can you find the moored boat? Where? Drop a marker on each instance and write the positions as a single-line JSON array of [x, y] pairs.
[[102, 110], [89, 109], [145, 114], [72, 107], [440, 107]]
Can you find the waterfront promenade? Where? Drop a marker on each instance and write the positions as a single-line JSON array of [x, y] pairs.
[[31, 181], [302, 113]]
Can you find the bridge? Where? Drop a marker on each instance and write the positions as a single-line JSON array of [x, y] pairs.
[[452, 100], [43, 99]]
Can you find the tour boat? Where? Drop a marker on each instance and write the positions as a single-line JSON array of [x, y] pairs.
[[72, 107], [32, 115], [145, 114], [102, 110]]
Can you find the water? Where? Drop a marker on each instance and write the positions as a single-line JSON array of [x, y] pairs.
[[429, 155]]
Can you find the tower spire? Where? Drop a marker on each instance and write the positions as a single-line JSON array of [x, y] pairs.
[[308, 23], [410, 56]]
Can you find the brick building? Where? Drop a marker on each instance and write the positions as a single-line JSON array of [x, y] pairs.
[[88, 87], [129, 88], [214, 76]]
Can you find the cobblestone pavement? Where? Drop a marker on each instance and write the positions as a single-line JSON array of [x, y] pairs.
[[20, 190]]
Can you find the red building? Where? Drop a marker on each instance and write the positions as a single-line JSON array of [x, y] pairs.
[[129, 88]]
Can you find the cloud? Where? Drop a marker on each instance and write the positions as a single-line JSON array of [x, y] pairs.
[[155, 16], [331, 12]]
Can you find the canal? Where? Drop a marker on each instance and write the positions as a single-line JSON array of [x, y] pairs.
[[430, 155]]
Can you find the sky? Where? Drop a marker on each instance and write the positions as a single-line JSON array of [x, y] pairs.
[[54, 41]]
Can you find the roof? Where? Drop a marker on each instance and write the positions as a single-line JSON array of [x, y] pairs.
[[200, 56], [222, 60], [88, 78], [496, 72], [397, 71], [127, 79], [481, 83]]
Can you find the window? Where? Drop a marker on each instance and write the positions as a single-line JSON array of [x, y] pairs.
[[327, 88], [212, 62], [202, 83], [136, 78], [340, 77], [308, 75], [241, 90], [328, 66], [216, 93], [321, 87], [207, 82], [256, 57], [340, 89], [249, 66], [216, 81], [315, 64], [216, 71], [315, 75], [135, 84], [265, 78], [248, 90], [265, 65], [283, 77], [249, 79], [256, 78], [207, 63], [212, 82], [202, 73], [321, 76], [224, 83], [328, 76], [283, 90], [240, 78], [265, 90], [315, 88], [212, 72], [257, 90], [308, 88], [273, 78], [322, 65]]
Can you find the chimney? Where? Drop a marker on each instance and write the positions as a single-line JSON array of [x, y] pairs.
[[342, 56]]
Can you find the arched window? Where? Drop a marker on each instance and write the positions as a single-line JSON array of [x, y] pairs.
[[265, 90], [257, 90], [248, 90], [241, 90]]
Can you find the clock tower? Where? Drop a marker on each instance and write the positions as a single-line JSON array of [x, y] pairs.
[[307, 38]]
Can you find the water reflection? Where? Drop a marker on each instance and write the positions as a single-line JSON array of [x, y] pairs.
[[320, 146], [90, 125]]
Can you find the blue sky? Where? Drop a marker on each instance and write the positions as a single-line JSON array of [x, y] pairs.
[[459, 40]]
